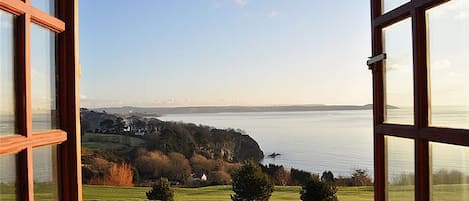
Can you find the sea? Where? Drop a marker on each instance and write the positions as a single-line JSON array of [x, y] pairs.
[[339, 141]]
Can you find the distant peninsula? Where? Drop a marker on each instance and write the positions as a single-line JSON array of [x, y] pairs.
[[159, 111]]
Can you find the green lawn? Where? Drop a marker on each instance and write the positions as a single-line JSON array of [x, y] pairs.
[[97, 141], [456, 192], [214, 193]]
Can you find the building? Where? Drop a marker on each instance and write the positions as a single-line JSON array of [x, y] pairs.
[[39, 72], [408, 39]]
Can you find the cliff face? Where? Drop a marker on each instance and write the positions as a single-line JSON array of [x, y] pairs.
[[231, 145], [226, 144]]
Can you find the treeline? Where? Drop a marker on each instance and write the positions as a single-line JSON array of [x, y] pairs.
[[442, 176], [148, 166], [295, 177]]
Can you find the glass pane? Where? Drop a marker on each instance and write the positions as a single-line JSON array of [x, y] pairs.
[[45, 173], [43, 79], [8, 177], [7, 74], [392, 4], [400, 169], [398, 69], [450, 178], [47, 6], [448, 39]]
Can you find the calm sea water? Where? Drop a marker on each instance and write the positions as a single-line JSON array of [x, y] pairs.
[[340, 141], [315, 141]]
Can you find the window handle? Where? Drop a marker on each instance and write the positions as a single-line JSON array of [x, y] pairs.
[[372, 60]]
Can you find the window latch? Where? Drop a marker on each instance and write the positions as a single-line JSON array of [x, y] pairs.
[[372, 60]]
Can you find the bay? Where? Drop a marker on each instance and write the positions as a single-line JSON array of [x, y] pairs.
[[340, 141]]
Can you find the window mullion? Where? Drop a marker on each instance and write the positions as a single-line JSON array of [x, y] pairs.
[[422, 170], [24, 106]]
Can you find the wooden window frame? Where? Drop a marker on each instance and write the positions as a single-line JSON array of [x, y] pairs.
[[67, 136], [421, 132]]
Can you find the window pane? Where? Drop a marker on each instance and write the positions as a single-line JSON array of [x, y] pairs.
[[43, 79], [448, 35], [47, 6], [7, 76], [45, 173], [398, 69], [8, 177], [400, 169], [392, 4], [450, 180]]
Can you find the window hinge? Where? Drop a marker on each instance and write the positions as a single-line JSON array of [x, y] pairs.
[[372, 60]]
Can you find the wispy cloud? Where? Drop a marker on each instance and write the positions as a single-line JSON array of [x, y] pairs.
[[241, 2]]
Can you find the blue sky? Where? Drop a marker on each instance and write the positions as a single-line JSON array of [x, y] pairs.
[[224, 52]]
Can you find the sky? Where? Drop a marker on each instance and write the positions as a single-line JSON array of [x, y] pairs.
[[224, 52]]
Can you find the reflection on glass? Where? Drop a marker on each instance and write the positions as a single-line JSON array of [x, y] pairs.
[[450, 172], [448, 43], [47, 6], [7, 76], [392, 4], [8, 177], [398, 69], [43, 79], [45, 173], [400, 169]]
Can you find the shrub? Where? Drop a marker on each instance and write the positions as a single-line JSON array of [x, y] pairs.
[[161, 191], [219, 178], [317, 190], [251, 184], [300, 177], [117, 175], [120, 175]]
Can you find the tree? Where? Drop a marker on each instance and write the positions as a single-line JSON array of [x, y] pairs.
[[106, 124], [180, 168], [300, 177], [327, 176], [152, 164], [360, 178], [161, 191], [119, 125], [219, 178], [317, 190], [251, 184], [277, 173]]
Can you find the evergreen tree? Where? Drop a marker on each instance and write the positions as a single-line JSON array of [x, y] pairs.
[[327, 176], [317, 190], [161, 191], [251, 184]]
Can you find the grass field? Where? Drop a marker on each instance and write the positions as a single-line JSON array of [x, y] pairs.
[[446, 192], [214, 193], [95, 141]]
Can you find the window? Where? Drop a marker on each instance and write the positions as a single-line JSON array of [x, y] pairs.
[[7, 76], [420, 50], [38, 101]]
